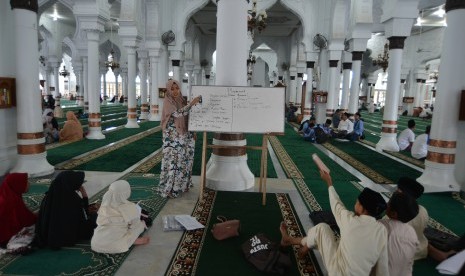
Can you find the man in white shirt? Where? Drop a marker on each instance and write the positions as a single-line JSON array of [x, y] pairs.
[[345, 126], [420, 145], [407, 136], [362, 246]]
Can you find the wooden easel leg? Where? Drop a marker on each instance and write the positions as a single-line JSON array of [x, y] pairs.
[[265, 166], [203, 166]]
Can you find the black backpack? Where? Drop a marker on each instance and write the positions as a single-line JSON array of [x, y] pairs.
[[321, 136]]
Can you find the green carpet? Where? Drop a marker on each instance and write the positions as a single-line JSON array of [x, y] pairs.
[[80, 259], [68, 151], [124, 157], [385, 166], [200, 254]]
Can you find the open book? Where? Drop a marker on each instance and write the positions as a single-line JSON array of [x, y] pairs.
[[319, 163]]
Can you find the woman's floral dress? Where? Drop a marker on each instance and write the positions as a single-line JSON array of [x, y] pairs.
[[178, 158]]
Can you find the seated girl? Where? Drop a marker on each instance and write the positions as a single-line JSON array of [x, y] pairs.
[[14, 215], [72, 129], [119, 224], [64, 218]]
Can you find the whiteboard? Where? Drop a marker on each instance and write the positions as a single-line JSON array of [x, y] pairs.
[[238, 109]]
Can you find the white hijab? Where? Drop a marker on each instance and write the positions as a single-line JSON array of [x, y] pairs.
[[116, 198]]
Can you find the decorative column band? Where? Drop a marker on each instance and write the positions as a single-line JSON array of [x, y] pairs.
[[402, 80], [94, 115], [27, 136], [442, 144], [346, 65], [31, 5], [357, 55], [185, 81], [95, 124], [307, 111], [154, 106], [300, 75], [229, 151], [423, 81], [280, 78], [418, 80], [144, 107], [387, 122], [454, 5], [329, 112], [132, 116], [86, 103], [442, 158], [176, 62], [396, 42], [310, 64], [292, 77], [333, 63], [132, 109], [30, 149], [207, 76], [388, 130]]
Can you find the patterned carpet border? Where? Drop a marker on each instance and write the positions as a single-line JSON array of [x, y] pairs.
[[398, 155], [286, 161], [112, 147], [373, 175], [186, 257], [149, 163]]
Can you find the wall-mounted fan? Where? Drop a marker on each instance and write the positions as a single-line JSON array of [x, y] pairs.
[[320, 42], [168, 37]]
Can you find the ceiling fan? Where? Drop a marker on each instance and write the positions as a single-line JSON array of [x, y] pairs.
[[419, 22]]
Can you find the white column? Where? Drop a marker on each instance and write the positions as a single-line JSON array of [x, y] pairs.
[[346, 68], [292, 87], [124, 85], [104, 71], [86, 84], [95, 127], [445, 162], [308, 91], [31, 142], [355, 84], [116, 72], [154, 97], [47, 80], [228, 169], [144, 109], [388, 139], [298, 99], [333, 89], [78, 68], [56, 79], [132, 103]]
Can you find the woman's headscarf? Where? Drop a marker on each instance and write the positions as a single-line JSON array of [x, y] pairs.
[[14, 215], [170, 105], [61, 211], [116, 198]]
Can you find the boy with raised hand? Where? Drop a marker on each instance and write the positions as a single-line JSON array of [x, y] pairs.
[[402, 238], [362, 247]]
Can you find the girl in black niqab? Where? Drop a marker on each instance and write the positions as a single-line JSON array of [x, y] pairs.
[[63, 218]]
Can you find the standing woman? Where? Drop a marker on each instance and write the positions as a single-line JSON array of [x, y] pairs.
[[178, 143]]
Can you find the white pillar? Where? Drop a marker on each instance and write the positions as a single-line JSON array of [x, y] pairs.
[[86, 84], [355, 84], [346, 68], [144, 109], [333, 88], [56, 79], [298, 100], [292, 88], [78, 68], [228, 168], [308, 91], [95, 126], [104, 71], [388, 139], [124, 85], [116, 72], [132, 103], [443, 155], [47, 80], [154, 97], [31, 142]]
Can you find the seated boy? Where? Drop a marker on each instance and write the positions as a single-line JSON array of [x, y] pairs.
[[363, 243], [402, 238]]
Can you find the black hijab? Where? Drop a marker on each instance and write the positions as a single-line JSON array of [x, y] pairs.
[[62, 211]]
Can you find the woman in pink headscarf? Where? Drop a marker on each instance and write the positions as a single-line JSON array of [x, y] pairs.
[[178, 143], [72, 129]]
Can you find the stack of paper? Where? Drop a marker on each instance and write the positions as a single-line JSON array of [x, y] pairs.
[[188, 222], [452, 265]]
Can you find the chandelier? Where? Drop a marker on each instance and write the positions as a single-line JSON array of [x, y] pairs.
[[254, 20], [111, 63], [64, 72], [383, 60]]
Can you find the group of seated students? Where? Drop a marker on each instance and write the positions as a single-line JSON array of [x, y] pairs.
[[71, 131], [342, 128], [417, 147], [370, 244], [65, 216]]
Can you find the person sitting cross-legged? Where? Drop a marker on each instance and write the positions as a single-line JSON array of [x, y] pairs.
[[362, 247], [345, 127], [407, 136], [358, 128], [420, 145], [402, 238]]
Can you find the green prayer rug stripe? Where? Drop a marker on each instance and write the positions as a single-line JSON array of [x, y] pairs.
[[199, 253]]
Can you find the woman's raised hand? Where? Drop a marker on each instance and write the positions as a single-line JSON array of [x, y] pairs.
[[195, 100]]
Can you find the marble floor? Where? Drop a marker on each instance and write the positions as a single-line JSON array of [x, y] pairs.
[[154, 258]]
